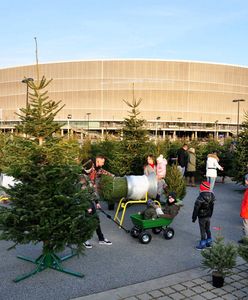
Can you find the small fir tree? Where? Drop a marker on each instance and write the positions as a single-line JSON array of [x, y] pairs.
[[175, 182], [221, 258]]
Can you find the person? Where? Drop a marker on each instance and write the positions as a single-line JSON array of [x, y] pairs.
[[92, 172], [244, 211], [170, 210], [161, 173], [203, 209], [182, 158], [211, 168], [191, 167], [150, 211], [151, 166]]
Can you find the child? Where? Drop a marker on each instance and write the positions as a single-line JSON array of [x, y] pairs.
[[150, 211], [170, 209], [203, 209]]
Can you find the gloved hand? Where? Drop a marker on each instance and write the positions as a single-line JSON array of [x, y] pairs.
[[193, 220]]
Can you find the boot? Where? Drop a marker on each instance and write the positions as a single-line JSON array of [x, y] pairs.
[[209, 242], [202, 245], [193, 181]]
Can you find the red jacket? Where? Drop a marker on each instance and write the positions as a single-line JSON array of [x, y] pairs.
[[244, 206]]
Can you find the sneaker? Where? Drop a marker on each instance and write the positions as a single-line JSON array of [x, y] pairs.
[[105, 242], [87, 245]]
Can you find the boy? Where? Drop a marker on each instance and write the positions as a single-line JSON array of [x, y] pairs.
[[170, 209], [203, 209]]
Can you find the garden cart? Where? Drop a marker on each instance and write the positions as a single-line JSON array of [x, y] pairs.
[[158, 225]]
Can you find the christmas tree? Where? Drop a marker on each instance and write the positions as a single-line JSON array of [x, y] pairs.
[[47, 203]]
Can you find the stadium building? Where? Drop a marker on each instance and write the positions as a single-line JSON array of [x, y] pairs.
[[179, 98]]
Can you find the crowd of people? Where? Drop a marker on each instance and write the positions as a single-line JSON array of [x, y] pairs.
[[169, 208]]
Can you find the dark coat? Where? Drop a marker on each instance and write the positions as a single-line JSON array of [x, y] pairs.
[[170, 211], [204, 206], [182, 157]]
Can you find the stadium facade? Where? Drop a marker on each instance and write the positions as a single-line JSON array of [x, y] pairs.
[[179, 98]]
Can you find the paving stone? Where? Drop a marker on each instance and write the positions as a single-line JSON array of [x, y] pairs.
[[178, 287], [189, 284], [208, 286], [197, 297], [156, 294], [144, 297], [239, 294], [198, 289], [243, 267], [177, 296], [238, 285], [244, 281], [219, 292], [229, 280], [167, 290], [164, 298], [198, 281], [131, 298], [188, 293], [245, 290], [229, 297], [243, 274], [229, 288], [236, 277], [208, 295]]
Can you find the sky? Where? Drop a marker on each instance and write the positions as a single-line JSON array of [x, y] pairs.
[[69, 30]]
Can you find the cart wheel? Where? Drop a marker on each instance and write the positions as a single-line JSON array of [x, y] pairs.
[[135, 232], [156, 230], [168, 233], [145, 237]]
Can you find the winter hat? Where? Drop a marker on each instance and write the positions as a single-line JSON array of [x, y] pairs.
[[205, 186], [150, 203], [173, 196]]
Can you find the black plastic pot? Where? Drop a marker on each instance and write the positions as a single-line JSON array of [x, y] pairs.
[[217, 280]]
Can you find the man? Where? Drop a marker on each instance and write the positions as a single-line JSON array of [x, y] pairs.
[[182, 158], [93, 170]]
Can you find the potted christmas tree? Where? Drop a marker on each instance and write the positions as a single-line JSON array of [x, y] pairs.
[[220, 258]]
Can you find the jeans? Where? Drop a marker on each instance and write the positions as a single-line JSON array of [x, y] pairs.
[[204, 224], [211, 180]]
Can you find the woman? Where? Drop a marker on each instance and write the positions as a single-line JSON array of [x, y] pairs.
[[211, 168], [150, 167], [191, 167]]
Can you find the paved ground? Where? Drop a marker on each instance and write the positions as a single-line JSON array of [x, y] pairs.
[[193, 284], [126, 262]]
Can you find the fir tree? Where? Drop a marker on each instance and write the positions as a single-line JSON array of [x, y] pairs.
[[37, 119], [129, 158], [175, 182], [47, 203], [241, 153]]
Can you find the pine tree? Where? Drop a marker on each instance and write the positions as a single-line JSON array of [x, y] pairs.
[[37, 119], [47, 203], [243, 249], [175, 182], [241, 153], [129, 158]]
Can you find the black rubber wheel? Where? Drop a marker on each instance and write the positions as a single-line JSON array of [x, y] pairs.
[[156, 230], [135, 232], [145, 237], [168, 233]]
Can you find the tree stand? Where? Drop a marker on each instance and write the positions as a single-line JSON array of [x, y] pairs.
[[47, 260]]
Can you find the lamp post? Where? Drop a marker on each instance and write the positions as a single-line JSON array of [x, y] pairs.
[[26, 81], [69, 116], [238, 101], [88, 114], [216, 133], [156, 130], [228, 121]]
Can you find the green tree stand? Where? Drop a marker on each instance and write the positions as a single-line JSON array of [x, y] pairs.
[[47, 260]]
